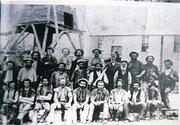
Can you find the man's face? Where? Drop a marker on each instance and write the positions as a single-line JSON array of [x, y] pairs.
[[150, 59], [12, 85], [49, 52], [136, 87], [65, 52], [123, 66], [62, 82], [79, 54], [61, 67], [98, 67], [28, 64], [96, 53], [113, 57], [26, 84], [134, 56], [119, 84], [35, 56], [9, 66], [168, 65], [81, 65], [100, 85], [82, 84], [45, 81]]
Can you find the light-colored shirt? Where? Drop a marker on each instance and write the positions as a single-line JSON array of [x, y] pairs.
[[27, 73], [119, 96], [62, 94], [9, 76], [9, 94]]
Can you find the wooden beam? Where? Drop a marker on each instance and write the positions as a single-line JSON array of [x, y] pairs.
[[22, 32], [54, 43], [55, 18], [161, 53], [71, 41], [46, 31], [80, 41], [20, 40], [37, 39]]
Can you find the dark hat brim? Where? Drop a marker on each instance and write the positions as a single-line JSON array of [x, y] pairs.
[[134, 53], [97, 50]]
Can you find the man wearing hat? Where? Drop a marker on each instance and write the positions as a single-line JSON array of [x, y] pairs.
[[137, 101], [49, 63], [168, 79], [81, 99], [80, 72], [135, 66], [154, 100], [149, 69], [57, 75], [78, 54], [95, 59], [27, 72], [66, 58], [97, 74]]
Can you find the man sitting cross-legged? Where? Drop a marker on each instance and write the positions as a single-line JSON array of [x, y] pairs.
[[99, 99], [44, 95], [62, 103], [81, 99], [118, 101]]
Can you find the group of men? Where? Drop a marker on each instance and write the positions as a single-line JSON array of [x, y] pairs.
[[73, 89]]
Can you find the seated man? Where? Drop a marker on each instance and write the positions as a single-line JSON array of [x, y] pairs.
[[81, 99], [9, 106], [26, 99], [137, 101], [118, 101], [62, 102], [99, 98], [44, 95], [154, 101]]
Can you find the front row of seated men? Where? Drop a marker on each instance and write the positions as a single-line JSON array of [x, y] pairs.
[[81, 104]]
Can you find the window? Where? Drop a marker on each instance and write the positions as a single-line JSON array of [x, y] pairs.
[[177, 44], [117, 49]]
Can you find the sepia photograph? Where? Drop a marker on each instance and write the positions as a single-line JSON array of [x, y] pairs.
[[109, 62]]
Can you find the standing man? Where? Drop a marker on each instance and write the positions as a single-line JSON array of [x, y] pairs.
[[99, 102], [27, 72], [49, 63], [112, 67], [149, 69], [123, 74], [62, 102], [81, 99], [57, 75], [168, 81], [135, 67], [118, 101], [95, 59], [80, 72]]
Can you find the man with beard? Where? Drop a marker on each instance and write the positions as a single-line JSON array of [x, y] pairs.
[[66, 58], [118, 101], [135, 66], [99, 102], [168, 80], [137, 101], [78, 55], [112, 67], [123, 74], [57, 75], [154, 100], [49, 63], [37, 64], [44, 95], [27, 72], [95, 59], [62, 102], [97, 74], [149, 69], [81, 98]]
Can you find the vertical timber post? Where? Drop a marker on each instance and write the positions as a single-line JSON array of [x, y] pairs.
[[161, 53]]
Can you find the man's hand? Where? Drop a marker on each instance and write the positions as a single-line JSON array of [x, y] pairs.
[[167, 90]]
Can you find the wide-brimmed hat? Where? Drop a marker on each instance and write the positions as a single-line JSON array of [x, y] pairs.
[[50, 48], [81, 61], [98, 63], [83, 79], [134, 53], [96, 50], [27, 58], [150, 56], [75, 53]]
